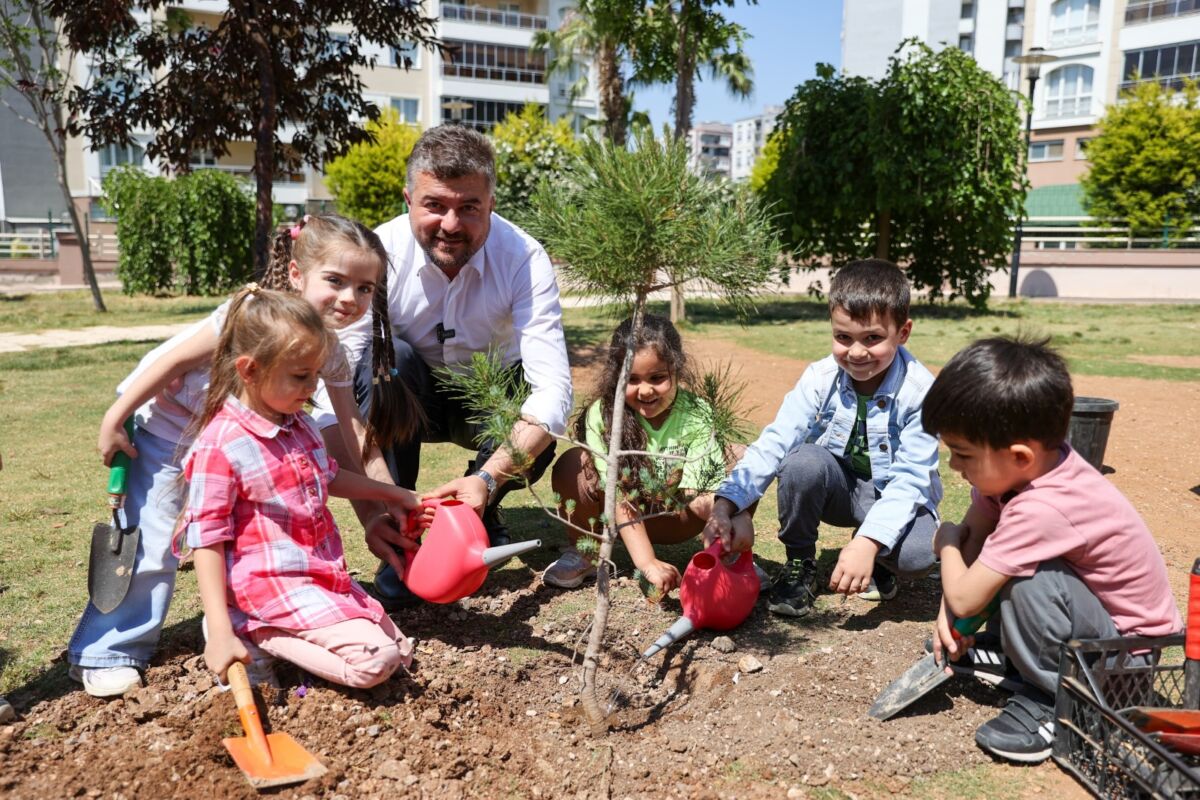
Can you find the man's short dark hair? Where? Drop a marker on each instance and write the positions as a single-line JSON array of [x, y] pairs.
[[871, 288], [452, 151], [1002, 390]]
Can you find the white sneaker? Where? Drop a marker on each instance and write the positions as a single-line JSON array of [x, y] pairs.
[[7, 712], [261, 668], [569, 571], [106, 681]]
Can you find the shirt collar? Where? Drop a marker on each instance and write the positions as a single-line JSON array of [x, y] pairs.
[[475, 262], [254, 422], [891, 382]]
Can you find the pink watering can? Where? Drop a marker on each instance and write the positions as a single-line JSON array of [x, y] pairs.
[[454, 557], [713, 594]]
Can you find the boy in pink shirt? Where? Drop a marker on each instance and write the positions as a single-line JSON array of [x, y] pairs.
[[1066, 552]]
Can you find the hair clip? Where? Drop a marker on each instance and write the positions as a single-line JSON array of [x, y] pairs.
[[253, 288]]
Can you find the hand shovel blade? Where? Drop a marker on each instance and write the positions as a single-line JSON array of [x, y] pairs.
[[110, 565], [920, 679]]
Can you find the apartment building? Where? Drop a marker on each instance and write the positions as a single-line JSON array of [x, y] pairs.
[[749, 136], [711, 145], [488, 73]]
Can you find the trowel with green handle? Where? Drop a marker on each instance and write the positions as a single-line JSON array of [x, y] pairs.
[[928, 673], [114, 547]]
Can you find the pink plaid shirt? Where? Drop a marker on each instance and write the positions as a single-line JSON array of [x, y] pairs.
[[263, 488]]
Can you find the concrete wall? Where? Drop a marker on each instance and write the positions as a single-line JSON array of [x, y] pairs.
[[1105, 275]]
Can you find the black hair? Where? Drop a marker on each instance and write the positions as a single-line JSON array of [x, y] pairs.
[[395, 414], [1002, 390], [658, 334], [871, 288]]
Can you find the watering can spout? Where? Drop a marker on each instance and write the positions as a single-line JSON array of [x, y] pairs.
[[682, 627], [497, 555]]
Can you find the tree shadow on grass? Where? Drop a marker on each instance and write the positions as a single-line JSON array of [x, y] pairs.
[[774, 312]]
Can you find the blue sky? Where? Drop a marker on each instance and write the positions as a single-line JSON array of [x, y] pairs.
[[789, 37]]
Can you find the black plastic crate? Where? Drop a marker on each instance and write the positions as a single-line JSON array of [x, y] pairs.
[[1099, 681]]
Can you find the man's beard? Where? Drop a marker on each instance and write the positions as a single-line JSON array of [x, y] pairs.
[[447, 261]]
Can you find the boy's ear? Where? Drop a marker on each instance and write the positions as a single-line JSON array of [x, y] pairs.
[[1022, 455], [247, 369], [904, 332]]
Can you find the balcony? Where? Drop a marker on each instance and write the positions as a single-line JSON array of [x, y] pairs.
[[1137, 13], [492, 16], [1069, 107]]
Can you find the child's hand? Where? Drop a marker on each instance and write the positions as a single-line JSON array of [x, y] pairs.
[[222, 650], [664, 576], [743, 533], [113, 439], [719, 525], [948, 534], [854, 566], [944, 643], [383, 536]]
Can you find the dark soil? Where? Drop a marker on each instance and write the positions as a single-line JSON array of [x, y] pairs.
[[490, 707]]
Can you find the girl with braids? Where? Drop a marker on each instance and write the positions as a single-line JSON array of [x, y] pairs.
[[661, 417], [338, 266], [268, 556]]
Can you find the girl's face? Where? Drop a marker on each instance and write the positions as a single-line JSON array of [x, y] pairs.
[[651, 390], [340, 287], [285, 387]]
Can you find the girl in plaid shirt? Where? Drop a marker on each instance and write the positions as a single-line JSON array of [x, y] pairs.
[[268, 555], [338, 266]]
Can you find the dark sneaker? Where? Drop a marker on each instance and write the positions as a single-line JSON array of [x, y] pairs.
[[391, 592], [883, 585], [1024, 731], [985, 660], [794, 589], [497, 530]]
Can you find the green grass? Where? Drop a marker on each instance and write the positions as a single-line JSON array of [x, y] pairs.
[[983, 781], [28, 313]]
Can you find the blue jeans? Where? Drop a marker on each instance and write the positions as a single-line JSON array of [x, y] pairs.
[[127, 635]]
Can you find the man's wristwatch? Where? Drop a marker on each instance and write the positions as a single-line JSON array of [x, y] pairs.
[[488, 480]]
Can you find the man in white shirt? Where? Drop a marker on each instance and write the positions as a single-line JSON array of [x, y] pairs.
[[463, 280]]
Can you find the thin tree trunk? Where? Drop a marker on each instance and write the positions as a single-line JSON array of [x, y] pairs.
[[883, 244], [264, 150], [85, 247], [596, 714], [685, 102], [613, 103]]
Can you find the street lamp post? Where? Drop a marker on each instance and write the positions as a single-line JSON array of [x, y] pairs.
[[1033, 61]]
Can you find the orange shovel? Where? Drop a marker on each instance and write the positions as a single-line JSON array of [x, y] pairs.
[[266, 760]]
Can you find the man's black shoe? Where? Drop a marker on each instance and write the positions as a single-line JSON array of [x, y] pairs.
[[391, 592], [497, 530], [795, 588], [1023, 732]]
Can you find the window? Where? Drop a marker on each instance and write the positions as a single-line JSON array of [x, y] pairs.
[[1170, 66], [1069, 91], [409, 109], [966, 43], [1012, 48], [968, 11], [482, 115], [1046, 151], [407, 55], [1074, 22], [1081, 146], [1016, 16], [113, 156], [202, 159], [494, 62]]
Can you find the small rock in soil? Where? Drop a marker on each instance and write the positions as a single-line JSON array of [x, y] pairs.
[[749, 664], [723, 644]]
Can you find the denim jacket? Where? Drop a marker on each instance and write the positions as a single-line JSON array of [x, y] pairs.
[[821, 409]]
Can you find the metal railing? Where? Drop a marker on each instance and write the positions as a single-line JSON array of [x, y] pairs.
[[492, 16], [41, 245], [1059, 107], [1137, 13], [1081, 233], [1175, 82], [510, 74]]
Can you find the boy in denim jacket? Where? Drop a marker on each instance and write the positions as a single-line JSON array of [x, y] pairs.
[[848, 449]]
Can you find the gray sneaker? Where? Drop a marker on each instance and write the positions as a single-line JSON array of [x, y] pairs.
[[569, 571]]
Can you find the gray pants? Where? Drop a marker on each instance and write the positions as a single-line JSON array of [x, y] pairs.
[[1040, 613], [816, 486]]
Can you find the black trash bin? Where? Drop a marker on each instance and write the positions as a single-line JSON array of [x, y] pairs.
[[1091, 420]]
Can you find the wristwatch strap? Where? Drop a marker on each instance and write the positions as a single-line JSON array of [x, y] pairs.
[[487, 479]]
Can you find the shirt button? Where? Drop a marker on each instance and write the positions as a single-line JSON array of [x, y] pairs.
[[881, 403], [883, 446]]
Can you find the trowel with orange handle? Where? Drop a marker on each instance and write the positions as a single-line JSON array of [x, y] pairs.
[[266, 760]]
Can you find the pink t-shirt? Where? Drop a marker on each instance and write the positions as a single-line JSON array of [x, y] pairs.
[[1073, 513]]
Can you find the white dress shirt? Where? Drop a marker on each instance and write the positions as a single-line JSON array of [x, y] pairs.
[[504, 298]]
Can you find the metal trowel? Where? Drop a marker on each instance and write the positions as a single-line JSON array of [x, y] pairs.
[[114, 547]]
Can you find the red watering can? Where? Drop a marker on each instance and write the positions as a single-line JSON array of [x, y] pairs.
[[713, 594], [453, 559]]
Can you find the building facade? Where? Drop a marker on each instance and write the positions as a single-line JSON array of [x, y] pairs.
[[488, 73], [749, 137], [711, 147]]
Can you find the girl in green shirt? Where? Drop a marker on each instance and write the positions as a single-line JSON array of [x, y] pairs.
[[662, 418]]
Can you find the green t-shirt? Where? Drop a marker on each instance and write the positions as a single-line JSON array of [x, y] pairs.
[[685, 432], [857, 449]]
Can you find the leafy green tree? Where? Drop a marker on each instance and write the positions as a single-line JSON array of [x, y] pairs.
[[261, 68], [30, 67], [1144, 166], [528, 149], [368, 180], [625, 222], [766, 164], [922, 168]]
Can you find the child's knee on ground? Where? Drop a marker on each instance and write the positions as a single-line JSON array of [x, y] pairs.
[[369, 665]]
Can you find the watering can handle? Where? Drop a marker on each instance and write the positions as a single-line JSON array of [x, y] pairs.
[[412, 522], [716, 550]]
